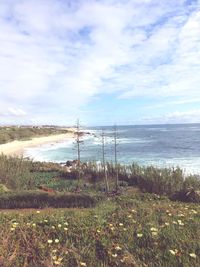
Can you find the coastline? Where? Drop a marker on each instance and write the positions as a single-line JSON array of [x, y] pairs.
[[17, 147]]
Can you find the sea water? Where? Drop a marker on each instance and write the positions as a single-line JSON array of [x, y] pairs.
[[158, 145]]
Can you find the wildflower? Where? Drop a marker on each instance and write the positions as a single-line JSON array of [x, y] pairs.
[[54, 258], [193, 255], [28, 224], [56, 240], [65, 228], [45, 221], [112, 228], [180, 222], [174, 222], [133, 211], [194, 211], [153, 229], [34, 225], [172, 252], [54, 250], [110, 224], [139, 235], [49, 241], [98, 231], [166, 223], [59, 225], [154, 233], [129, 216], [114, 255], [83, 263], [56, 262], [118, 248], [12, 229], [66, 223], [53, 227], [124, 229], [95, 216], [120, 224], [38, 211]]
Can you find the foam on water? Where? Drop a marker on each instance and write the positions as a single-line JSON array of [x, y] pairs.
[[162, 146]]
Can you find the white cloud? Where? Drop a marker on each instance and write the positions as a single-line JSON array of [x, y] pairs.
[[55, 57], [189, 116]]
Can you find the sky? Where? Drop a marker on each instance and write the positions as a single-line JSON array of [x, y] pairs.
[[103, 61]]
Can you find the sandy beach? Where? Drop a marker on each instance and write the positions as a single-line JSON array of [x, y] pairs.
[[16, 148]]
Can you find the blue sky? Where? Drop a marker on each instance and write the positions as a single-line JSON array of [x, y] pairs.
[[103, 61]]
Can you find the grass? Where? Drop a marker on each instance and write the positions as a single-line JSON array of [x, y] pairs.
[[135, 229]]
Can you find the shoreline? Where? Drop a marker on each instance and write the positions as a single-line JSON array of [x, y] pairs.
[[17, 147]]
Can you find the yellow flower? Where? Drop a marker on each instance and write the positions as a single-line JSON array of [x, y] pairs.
[[180, 222], [194, 211], [98, 231], [12, 229], [166, 223], [120, 224], [66, 223], [53, 227], [154, 233], [118, 248], [172, 252], [38, 211], [50, 241], [193, 255], [114, 255], [56, 240], [56, 262], [139, 235], [45, 221], [83, 263], [59, 225], [65, 228], [153, 229], [34, 225]]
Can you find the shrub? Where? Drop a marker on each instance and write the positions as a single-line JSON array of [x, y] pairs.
[[15, 172], [36, 199]]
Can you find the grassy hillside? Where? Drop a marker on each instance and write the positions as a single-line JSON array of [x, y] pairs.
[[135, 229], [8, 134], [138, 227]]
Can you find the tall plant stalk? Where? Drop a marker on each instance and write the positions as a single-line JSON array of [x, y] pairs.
[[103, 161], [115, 153], [78, 141]]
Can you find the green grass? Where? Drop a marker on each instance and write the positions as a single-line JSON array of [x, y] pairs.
[[130, 230]]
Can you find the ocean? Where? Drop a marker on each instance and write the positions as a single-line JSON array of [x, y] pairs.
[[158, 145]]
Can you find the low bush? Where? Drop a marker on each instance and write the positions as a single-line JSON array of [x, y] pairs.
[[36, 199]]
